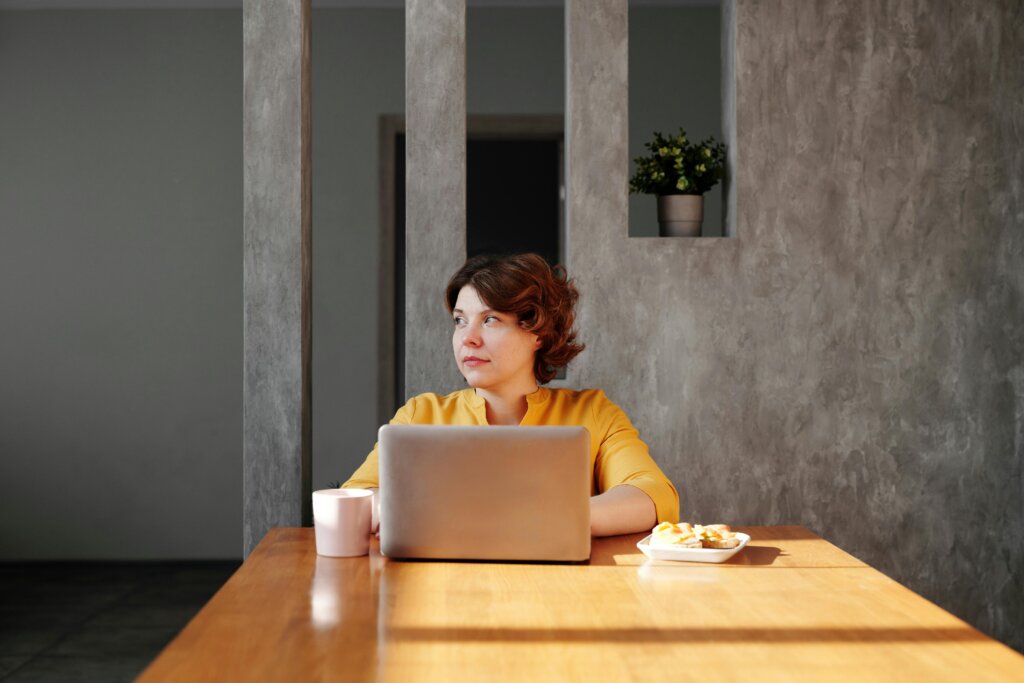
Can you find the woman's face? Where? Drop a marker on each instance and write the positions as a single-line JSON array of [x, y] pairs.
[[491, 348]]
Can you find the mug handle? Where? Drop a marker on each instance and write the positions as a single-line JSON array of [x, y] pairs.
[[375, 511]]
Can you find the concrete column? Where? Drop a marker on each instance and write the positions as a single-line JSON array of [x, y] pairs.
[[729, 116], [277, 250], [597, 162], [435, 189], [596, 122]]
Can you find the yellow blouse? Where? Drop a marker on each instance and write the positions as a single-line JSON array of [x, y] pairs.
[[617, 455]]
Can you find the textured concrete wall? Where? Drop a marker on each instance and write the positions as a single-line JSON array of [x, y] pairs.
[[276, 252], [853, 360]]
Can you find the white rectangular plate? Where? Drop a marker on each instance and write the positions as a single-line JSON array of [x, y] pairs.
[[692, 554]]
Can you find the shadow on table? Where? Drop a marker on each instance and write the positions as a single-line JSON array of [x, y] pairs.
[[755, 555], [685, 635]]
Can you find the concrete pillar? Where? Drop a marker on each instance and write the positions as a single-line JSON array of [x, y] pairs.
[[435, 189], [277, 249], [729, 116], [597, 162], [596, 122]]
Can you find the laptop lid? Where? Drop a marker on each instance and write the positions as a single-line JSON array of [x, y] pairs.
[[485, 493]]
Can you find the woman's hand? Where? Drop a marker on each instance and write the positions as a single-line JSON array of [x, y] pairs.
[[622, 509]]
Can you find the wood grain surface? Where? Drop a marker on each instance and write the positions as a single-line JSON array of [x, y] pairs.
[[790, 606]]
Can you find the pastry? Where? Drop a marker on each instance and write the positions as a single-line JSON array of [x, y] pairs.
[[672, 535]]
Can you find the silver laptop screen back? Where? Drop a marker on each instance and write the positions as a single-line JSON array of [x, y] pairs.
[[485, 493]]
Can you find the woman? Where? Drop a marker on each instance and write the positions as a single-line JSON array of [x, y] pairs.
[[513, 324]]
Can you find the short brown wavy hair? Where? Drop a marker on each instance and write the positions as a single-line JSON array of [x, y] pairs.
[[542, 298]]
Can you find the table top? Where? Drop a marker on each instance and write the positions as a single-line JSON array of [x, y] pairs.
[[789, 606]]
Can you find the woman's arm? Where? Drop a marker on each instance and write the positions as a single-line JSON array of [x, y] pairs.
[[367, 475], [623, 458], [622, 509]]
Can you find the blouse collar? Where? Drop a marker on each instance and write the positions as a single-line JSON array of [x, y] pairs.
[[477, 403]]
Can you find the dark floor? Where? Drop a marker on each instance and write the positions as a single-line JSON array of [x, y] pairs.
[[96, 621]]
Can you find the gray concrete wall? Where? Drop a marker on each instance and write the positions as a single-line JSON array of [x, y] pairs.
[[120, 285], [853, 361]]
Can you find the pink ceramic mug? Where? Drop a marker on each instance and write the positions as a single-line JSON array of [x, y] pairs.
[[341, 521]]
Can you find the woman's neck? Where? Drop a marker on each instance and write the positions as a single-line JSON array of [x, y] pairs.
[[507, 406]]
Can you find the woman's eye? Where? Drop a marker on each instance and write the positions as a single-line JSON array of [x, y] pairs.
[[490, 318], [459, 321]]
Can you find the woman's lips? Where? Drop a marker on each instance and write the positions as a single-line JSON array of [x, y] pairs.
[[472, 361]]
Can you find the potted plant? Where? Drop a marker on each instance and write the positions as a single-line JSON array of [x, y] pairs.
[[679, 173]]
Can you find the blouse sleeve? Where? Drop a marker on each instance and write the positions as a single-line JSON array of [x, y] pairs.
[[367, 476], [623, 458]]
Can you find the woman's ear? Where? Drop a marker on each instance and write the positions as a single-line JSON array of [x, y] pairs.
[[536, 344]]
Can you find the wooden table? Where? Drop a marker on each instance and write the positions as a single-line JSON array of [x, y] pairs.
[[790, 606]]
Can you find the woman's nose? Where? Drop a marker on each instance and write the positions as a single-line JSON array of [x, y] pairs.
[[471, 336]]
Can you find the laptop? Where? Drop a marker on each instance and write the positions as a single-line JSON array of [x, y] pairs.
[[485, 493]]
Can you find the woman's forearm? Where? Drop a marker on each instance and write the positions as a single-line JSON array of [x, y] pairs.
[[622, 509]]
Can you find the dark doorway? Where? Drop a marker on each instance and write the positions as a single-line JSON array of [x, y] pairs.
[[512, 197]]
